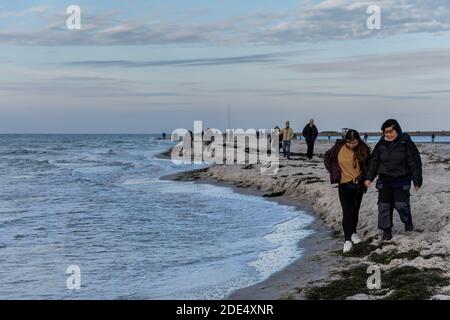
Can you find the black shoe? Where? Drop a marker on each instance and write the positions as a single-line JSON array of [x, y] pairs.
[[409, 227], [387, 235]]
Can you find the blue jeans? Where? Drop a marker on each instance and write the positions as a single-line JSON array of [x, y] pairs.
[[287, 149]]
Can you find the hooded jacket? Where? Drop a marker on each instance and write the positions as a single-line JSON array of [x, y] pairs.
[[397, 162]]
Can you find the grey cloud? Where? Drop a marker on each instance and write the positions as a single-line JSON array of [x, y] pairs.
[[350, 95], [104, 29], [23, 13], [81, 89], [319, 93], [434, 92], [248, 59], [97, 79], [311, 22], [382, 65], [342, 20]]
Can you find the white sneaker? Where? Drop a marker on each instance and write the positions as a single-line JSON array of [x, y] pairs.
[[355, 239], [348, 246]]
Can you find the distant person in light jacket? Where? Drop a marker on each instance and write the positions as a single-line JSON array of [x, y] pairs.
[[397, 163], [310, 133], [288, 136]]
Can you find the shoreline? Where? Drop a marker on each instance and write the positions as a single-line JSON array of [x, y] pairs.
[[316, 275], [308, 268]]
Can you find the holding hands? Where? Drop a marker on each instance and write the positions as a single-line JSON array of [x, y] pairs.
[[368, 184]]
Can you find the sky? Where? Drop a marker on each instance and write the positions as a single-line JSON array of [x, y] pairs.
[[155, 66]]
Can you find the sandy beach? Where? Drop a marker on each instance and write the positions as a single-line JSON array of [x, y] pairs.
[[413, 265]]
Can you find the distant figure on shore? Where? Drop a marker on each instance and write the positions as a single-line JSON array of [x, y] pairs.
[[288, 135], [280, 138], [329, 138], [208, 137], [310, 133], [396, 161], [191, 137], [366, 137], [347, 162], [163, 136], [433, 137]]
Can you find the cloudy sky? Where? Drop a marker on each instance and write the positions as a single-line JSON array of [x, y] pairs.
[[152, 66]]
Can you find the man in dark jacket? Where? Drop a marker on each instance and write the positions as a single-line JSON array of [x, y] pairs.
[[310, 133], [396, 161]]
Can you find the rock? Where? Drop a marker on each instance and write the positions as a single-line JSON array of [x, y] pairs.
[[274, 194], [432, 263], [360, 296], [440, 297]]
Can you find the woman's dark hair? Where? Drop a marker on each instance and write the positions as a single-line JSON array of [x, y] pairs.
[[361, 151], [392, 123]]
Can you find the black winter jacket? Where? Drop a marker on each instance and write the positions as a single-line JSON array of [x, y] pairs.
[[310, 133], [396, 160]]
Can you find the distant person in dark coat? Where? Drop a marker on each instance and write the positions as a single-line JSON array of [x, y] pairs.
[[366, 136], [433, 137], [310, 133], [280, 137]]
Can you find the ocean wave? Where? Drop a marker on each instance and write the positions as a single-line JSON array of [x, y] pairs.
[[77, 161], [20, 152], [110, 152], [285, 237], [139, 181], [33, 164], [119, 163]]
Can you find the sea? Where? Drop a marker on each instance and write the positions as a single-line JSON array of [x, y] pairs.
[[89, 217]]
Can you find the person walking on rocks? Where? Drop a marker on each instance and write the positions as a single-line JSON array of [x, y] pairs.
[[310, 133], [347, 162], [397, 163], [288, 135]]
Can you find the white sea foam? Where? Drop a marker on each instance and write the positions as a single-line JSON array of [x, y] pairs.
[[286, 237]]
